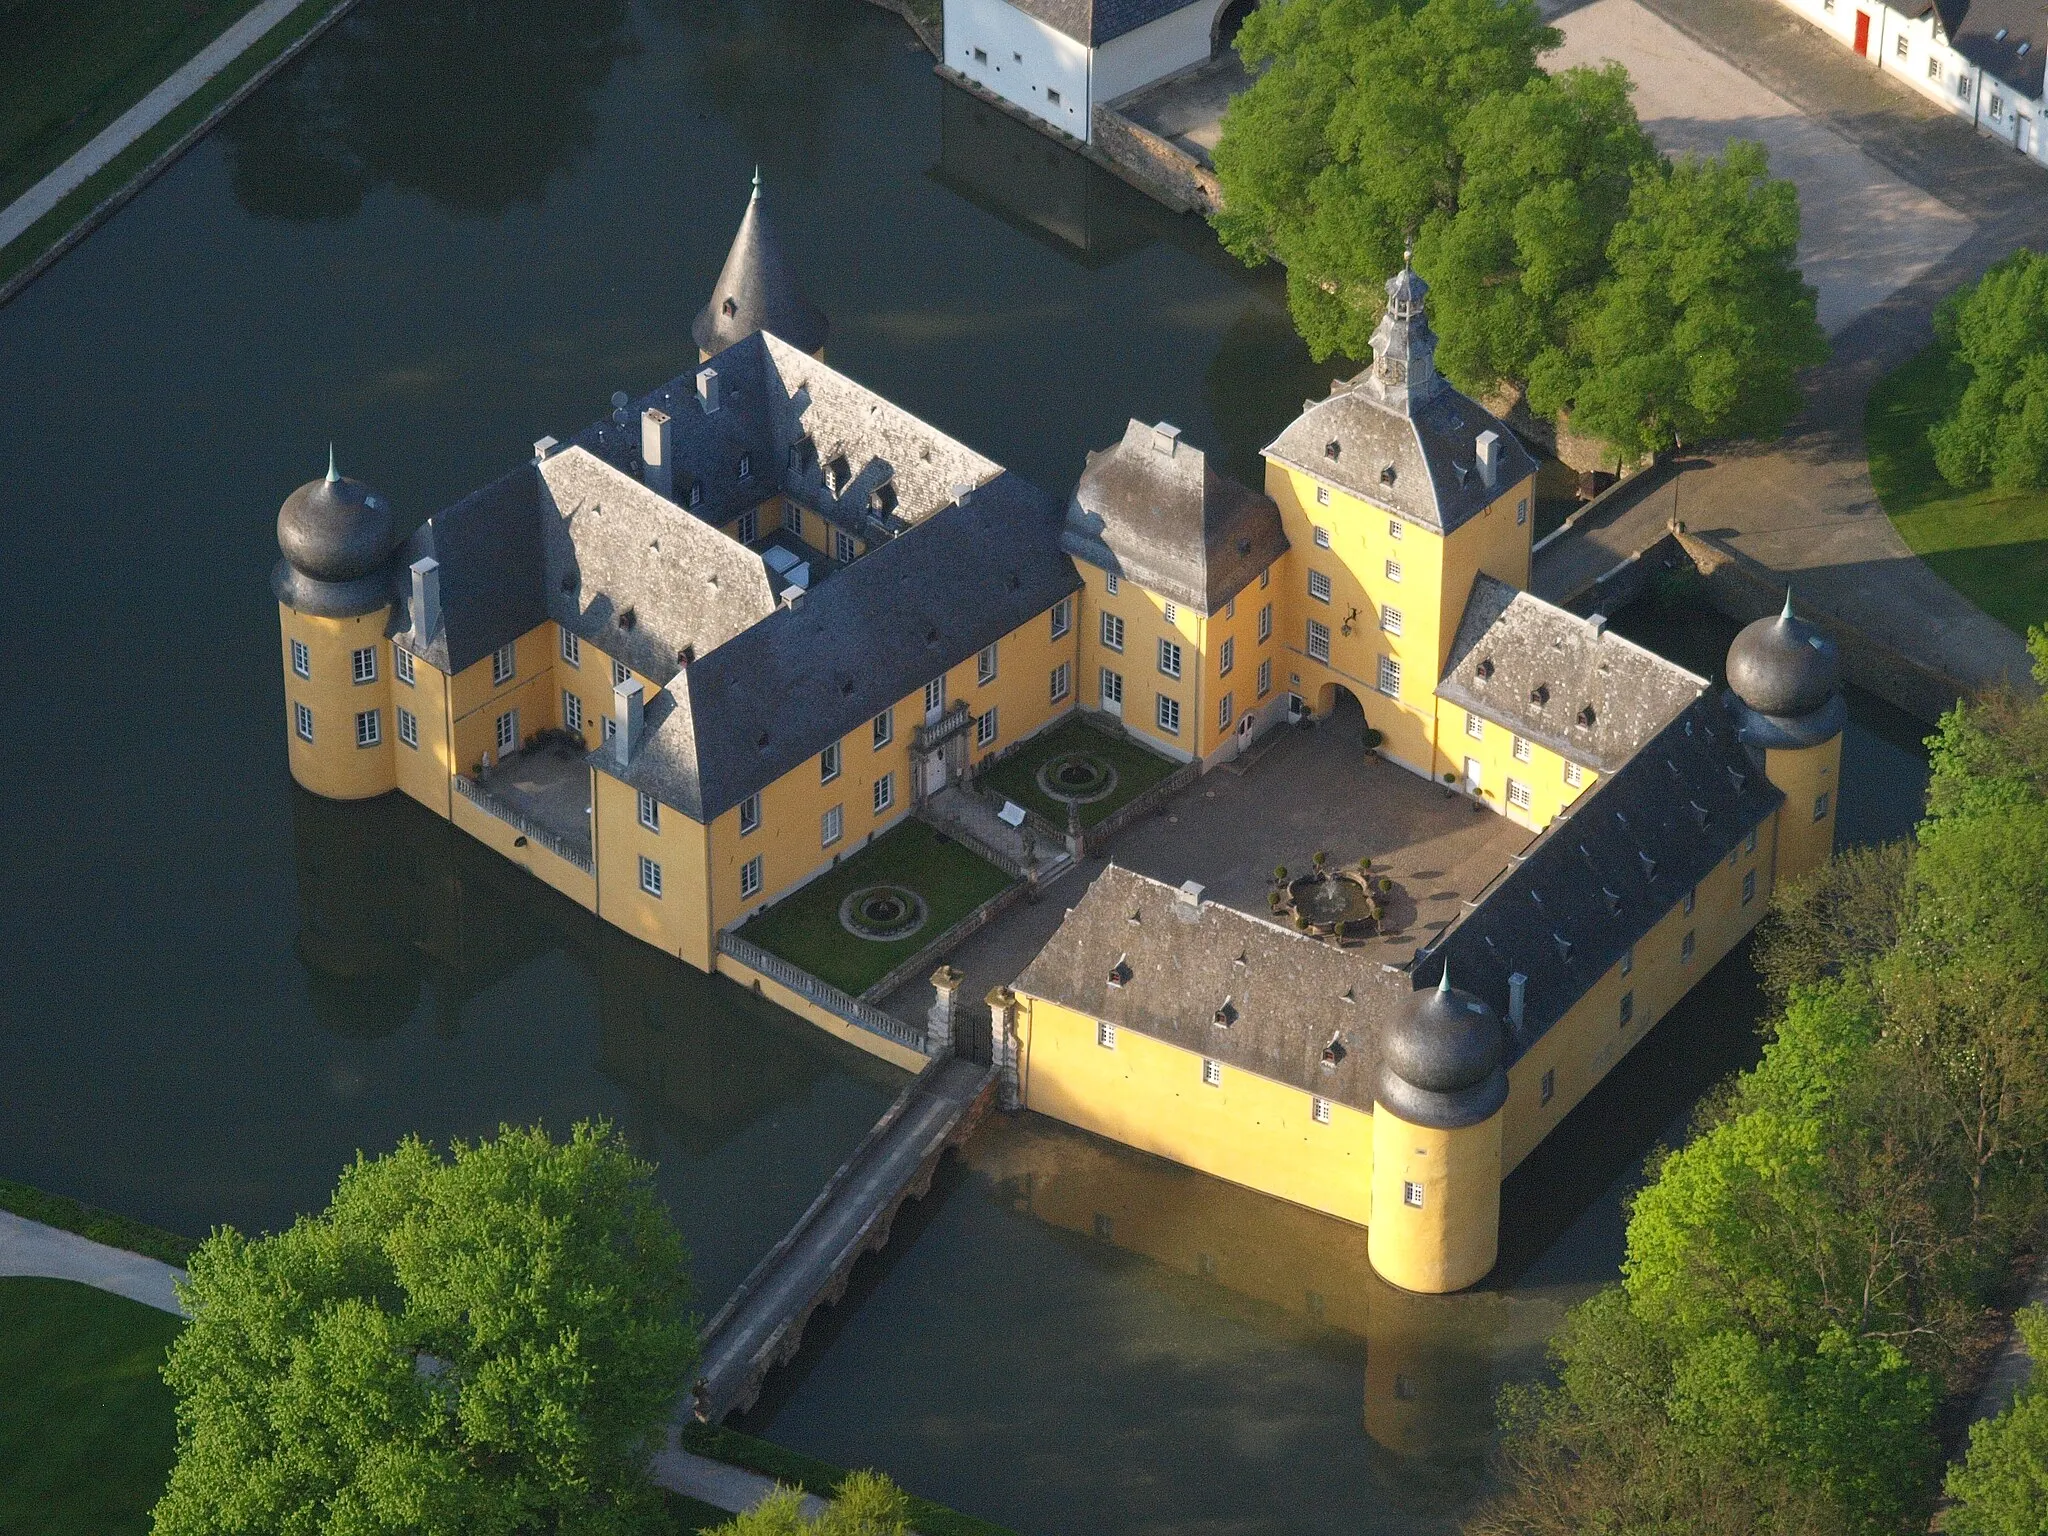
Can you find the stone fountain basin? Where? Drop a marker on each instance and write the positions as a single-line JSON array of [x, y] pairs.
[[1326, 900]]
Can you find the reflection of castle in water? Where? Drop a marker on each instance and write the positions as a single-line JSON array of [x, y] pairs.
[[398, 909], [1433, 1364]]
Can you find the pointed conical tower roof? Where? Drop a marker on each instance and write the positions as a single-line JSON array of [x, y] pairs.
[[755, 292]]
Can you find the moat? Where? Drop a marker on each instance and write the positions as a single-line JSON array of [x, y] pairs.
[[218, 987]]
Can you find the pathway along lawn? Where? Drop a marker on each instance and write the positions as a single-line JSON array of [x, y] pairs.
[[1991, 546], [804, 927], [86, 1427], [1137, 770]]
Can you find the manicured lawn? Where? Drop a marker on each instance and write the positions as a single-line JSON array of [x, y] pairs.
[[1137, 770], [86, 1428], [1991, 546], [804, 928], [89, 1221]]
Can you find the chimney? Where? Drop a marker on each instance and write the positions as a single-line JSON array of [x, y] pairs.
[[544, 447], [627, 710], [657, 451], [1518, 996], [1165, 438], [426, 598], [707, 390], [1487, 450]]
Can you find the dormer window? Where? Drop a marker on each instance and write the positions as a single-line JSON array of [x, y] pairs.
[[731, 306], [1564, 947], [838, 473], [1485, 668], [1120, 973], [1540, 695], [1226, 1015], [1333, 1053], [1586, 716], [1649, 865], [1387, 475], [1612, 901], [1332, 449], [882, 499]]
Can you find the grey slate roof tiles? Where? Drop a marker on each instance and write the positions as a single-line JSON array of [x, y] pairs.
[[756, 291], [1152, 510], [489, 548], [1096, 22], [1555, 678], [1291, 996], [1419, 467]]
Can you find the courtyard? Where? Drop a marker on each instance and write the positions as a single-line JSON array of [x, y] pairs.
[[1102, 773]]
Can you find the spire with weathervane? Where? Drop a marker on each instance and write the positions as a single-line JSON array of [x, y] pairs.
[[1403, 373]]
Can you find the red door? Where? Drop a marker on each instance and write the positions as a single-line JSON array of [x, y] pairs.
[[1863, 33]]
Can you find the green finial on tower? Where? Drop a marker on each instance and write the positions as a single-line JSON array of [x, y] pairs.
[[1444, 986], [757, 181], [1788, 603], [333, 474]]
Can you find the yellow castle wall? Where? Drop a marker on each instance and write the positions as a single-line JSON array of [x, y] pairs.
[[1236, 622], [678, 920], [503, 838], [1806, 836], [1149, 1094], [425, 771], [1144, 618], [331, 763], [1543, 772], [1452, 1239]]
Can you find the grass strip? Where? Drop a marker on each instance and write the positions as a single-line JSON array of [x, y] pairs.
[[126, 171], [1990, 545], [804, 927], [821, 1478], [1137, 770], [89, 1221]]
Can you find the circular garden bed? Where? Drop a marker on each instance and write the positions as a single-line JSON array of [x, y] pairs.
[[883, 913], [1079, 778]]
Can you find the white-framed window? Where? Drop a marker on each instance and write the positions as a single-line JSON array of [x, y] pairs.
[[1062, 681], [882, 730], [1390, 620], [1820, 806], [1322, 495], [650, 876], [1691, 899], [611, 728], [1474, 726], [302, 659], [1318, 640], [1518, 794], [1168, 715], [1748, 886], [1627, 1012], [1105, 1035], [842, 546], [885, 793], [1934, 69], [1521, 511], [1574, 775], [1411, 1194], [750, 814], [985, 665], [408, 727], [985, 728], [504, 664], [650, 812], [828, 764], [1521, 749], [1997, 106], [1685, 949], [831, 826], [748, 528], [572, 648], [935, 695], [1226, 711], [1265, 677], [1322, 537], [1963, 85], [1110, 584], [1319, 1110], [1230, 609], [302, 717], [402, 664], [1171, 614], [1062, 617], [1547, 1090], [1212, 1072], [362, 664], [1390, 677], [1112, 632], [572, 712], [1169, 658], [1393, 570], [621, 673], [507, 734], [1112, 687], [1265, 623], [1052, 97], [1393, 528], [1628, 960], [1265, 578], [1905, 47], [750, 878], [1319, 586], [369, 727]]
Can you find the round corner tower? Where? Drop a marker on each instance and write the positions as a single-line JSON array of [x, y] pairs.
[[333, 589], [1784, 684], [1436, 1137]]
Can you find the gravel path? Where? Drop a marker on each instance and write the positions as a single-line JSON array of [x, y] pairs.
[[30, 1248]]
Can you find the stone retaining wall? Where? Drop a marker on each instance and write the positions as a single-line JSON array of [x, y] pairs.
[[1167, 172]]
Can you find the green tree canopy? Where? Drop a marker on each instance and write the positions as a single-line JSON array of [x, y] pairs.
[[475, 1346], [1996, 330], [1705, 323], [865, 1504], [2001, 1486]]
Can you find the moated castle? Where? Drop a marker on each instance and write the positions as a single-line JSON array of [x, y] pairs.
[[760, 615]]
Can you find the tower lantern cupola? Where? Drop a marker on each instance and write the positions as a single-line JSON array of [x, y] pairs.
[[1403, 373], [756, 292]]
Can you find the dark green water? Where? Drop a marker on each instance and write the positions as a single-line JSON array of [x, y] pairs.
[[452, 229]]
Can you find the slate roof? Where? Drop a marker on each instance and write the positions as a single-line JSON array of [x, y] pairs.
[[1291, 995], [489, 548], [1434, 484], [1555, 678], [1602, 875], [746, 713], [1973, 27], [1095, 22], [756, 291], [1151, 510]]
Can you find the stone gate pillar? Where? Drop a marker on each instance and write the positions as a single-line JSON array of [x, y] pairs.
[[946, 983], [1002, 1039]]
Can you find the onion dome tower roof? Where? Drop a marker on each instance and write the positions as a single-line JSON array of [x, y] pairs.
[[334, 529], [1783, 667], [1442, 1060], [755, 292]]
